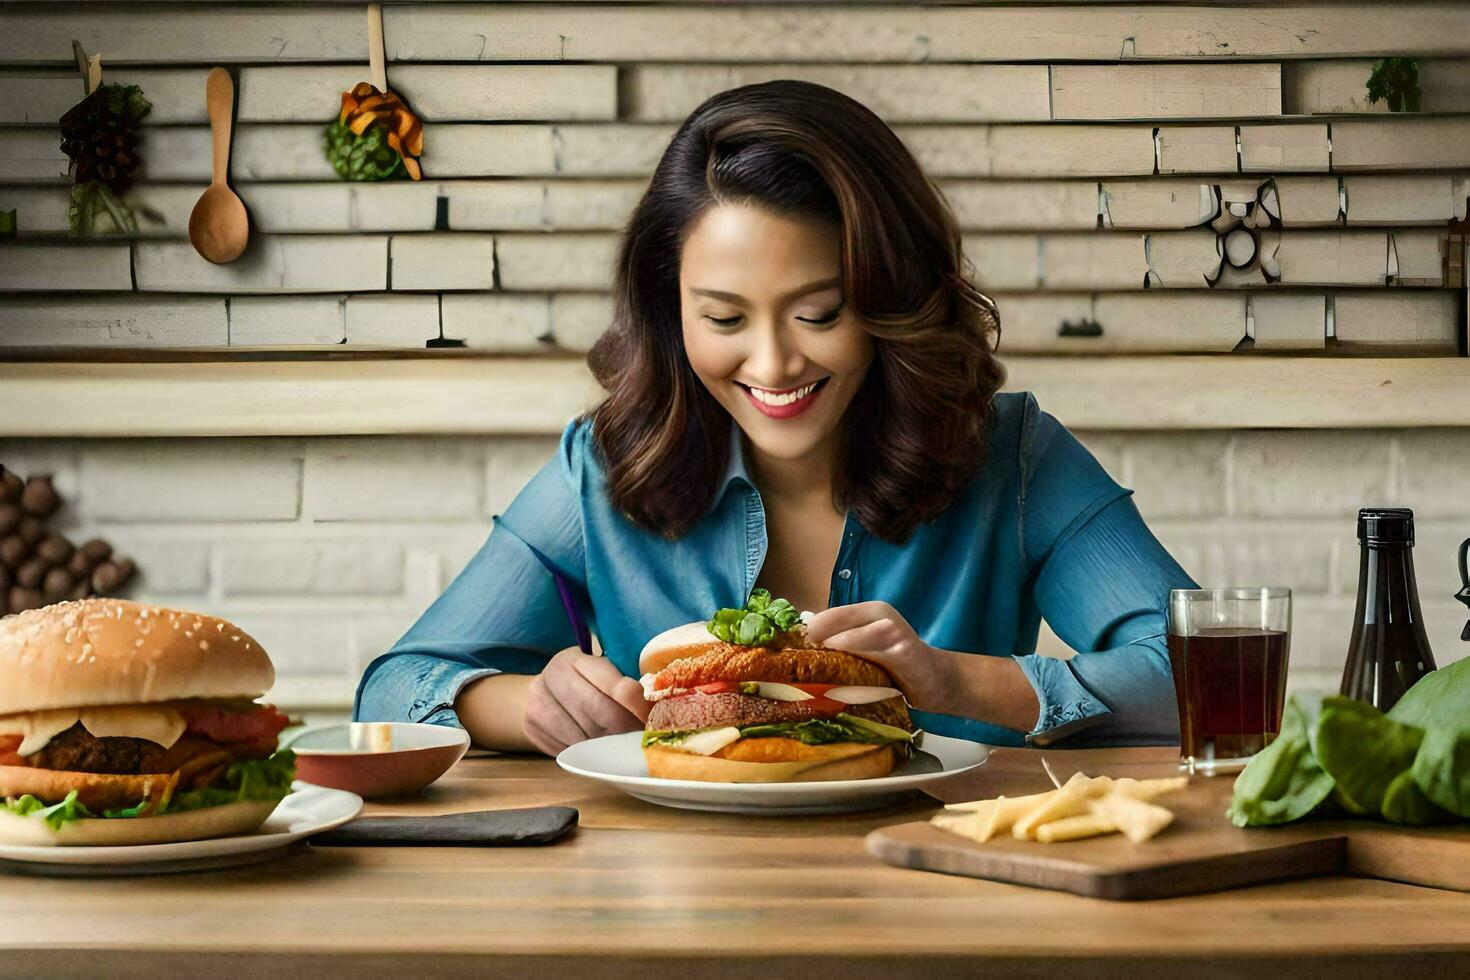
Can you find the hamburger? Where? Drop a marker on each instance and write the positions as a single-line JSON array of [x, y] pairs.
[[123, 723], [746, 698]]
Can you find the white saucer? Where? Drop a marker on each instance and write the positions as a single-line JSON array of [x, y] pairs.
[[618, 760], [307, 810]]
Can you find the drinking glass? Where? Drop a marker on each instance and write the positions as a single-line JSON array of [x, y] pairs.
[[1228, 648]]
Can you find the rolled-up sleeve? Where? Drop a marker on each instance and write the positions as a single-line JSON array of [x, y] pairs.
[[501, 614], [1102, 583]]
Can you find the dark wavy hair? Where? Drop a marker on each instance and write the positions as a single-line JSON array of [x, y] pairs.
[[915, 432]]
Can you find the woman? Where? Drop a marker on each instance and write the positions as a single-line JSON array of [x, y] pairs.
[[802, 398]]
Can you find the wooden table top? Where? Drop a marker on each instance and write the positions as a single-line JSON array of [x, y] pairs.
[[638, 887]]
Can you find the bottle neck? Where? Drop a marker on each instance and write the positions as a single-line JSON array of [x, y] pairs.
[[1388, 593]]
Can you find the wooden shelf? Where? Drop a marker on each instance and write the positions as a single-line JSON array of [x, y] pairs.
[[479, 395]]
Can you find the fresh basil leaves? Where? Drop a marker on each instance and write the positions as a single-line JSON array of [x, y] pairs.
[[758, 623]]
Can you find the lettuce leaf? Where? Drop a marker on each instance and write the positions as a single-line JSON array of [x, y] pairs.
[[813, 731], [57, 814]]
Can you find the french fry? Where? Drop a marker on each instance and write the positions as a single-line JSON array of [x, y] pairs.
[[1074, 828], [963, 824], [1136, 819], [1069, 801], [1085, 806], [1005, 813], [1149, 789]]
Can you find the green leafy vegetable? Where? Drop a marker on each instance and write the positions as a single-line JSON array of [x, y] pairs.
[[1439, 699], [57, 814], [813, 731], [756, 624], [1404, 803], [1362, 750], [1283, 782], [1411, 766], [365, 157], [94, 208], [1442, 769], [1396, 81], [252, 779]]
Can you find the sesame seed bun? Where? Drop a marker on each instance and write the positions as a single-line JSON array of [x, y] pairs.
[[111, 651], [689, 640]]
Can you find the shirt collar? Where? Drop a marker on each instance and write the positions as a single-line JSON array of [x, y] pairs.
[[735, 467]]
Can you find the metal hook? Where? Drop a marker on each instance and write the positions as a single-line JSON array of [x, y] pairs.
[[1464, 594]]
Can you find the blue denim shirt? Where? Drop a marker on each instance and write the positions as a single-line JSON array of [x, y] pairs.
[[1041, 531]]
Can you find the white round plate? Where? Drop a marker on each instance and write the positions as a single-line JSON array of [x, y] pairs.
[[618, 760], [305, 811]]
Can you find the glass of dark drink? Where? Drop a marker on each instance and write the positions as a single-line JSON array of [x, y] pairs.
[[1228, 648]]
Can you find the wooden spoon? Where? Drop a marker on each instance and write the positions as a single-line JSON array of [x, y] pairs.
[[219, 227]]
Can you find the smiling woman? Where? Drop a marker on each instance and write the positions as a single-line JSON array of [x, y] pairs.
[[802, 399]]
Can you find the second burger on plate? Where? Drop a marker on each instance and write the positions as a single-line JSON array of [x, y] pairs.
[[123, 723], [745, 698]]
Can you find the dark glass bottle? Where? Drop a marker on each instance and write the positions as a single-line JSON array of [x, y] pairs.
[[1388, 651]]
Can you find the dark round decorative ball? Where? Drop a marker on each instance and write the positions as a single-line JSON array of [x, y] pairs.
[[56, 585], [31, 530], [97, 550], [39, 497], [54, 549], [106, 577], [125, 569], [13, 552], [30, 574], [23, 599], [9, 518], [80, 565]]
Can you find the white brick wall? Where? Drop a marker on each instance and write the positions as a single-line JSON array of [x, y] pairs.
[[327, 550]]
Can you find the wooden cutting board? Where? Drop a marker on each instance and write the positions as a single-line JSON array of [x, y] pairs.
[[1200, 851]]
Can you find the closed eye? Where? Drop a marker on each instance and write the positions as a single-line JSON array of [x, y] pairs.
[[829, 318], [732, 321]]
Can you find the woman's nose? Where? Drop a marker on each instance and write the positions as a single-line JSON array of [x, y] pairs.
[[775, 358]]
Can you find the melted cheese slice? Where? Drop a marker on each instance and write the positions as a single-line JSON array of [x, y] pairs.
[[150, 722]]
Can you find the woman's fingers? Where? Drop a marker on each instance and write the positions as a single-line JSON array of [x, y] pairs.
[[628, 693], [873, 641], [839, 619], [550, 712], [594, 710]]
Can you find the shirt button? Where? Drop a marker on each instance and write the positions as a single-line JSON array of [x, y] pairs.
[[845, 574]]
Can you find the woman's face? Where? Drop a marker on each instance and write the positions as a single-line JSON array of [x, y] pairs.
[[765, 327]]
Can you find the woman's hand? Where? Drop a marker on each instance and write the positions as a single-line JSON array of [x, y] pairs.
[[876, 631], [577, 697]]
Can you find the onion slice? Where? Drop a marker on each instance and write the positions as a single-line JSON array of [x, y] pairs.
[[781, 692], [862, 695]]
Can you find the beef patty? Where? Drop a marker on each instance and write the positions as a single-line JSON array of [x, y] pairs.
[[78, 750], [694, 711]]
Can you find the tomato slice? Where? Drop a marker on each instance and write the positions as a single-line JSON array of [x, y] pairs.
[[818, 705], [824, 707], [8, 754]]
